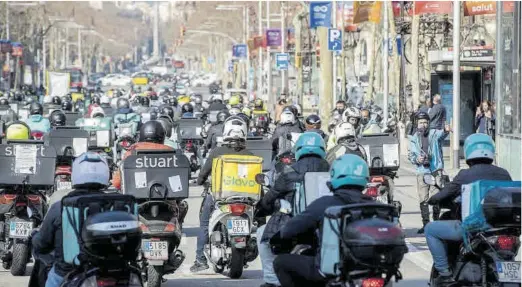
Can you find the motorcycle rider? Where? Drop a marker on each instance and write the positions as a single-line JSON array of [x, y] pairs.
[[313, 124], [351, 115], [234, 102], [345, 144], [365, 118], [57, 101], [57, 119], [426, 153], [187, 111], [479, 151], [217, 103], [287, 124], [105, 102], [36, 121], [8, 115], [216, 130], [349, 176], [67, 106], [123, 107], [309, 153], [90, 175], [235, 132], [340, 106]]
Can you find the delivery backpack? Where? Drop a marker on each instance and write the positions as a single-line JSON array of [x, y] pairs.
[[101, 228], [287, 142], [311, 188]]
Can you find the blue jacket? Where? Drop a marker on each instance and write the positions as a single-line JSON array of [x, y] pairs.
[[435, 150], [38, 123]]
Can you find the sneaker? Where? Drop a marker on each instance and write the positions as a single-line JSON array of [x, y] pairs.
[[445, 280], [199, 266], [421, 230]]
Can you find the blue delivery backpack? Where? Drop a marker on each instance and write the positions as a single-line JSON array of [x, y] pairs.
[[356, 236], [100, 228]]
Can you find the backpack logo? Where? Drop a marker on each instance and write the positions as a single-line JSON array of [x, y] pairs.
[[358, 170]]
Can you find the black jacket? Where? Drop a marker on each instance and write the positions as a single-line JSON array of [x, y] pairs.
[[49, 237], [321, 133], [284, 188], [282, 130], [213, 132], [476, 172], [206, 170], [217, 106]]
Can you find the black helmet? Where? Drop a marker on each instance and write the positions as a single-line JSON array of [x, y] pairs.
[[36, 109], [95, 100], [57, 119], [422, 116], [4, 102], [145, 101], [222, 116], [152, 131], [168, 111], [187, 108], [123, 103], [167, 125], [18, 97], [67, 98], [56, 100], [313, 120], [79, 105], [173, 101], [67, 106]]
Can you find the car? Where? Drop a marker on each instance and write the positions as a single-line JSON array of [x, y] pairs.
[[115, 80]]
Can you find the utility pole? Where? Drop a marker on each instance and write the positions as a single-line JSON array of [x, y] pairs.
[[334, 58], [80, 61], [8, 54], [260, 51], [326, 94], [155, 32], [247, 21], [44, 62], [415, 61], [385, 64], [67, 54], [456, 83], [283, 45], [271, 96]]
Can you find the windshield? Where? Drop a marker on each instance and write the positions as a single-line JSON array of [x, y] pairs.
[[76, 76]]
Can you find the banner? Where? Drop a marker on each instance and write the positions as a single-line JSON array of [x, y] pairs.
[[339, 15], [58, 84], [472, 8], [273, 37], [320, 14], [239, 51], [348, 17], [367, 11], [433, 7], [508, 6], [18, 49], [396, 6]]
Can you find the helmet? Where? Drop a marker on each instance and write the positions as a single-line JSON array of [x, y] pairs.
[[226, 97], [287, 118], [222, 116], [246, 111], [123, 103], [56, 101], [245, 118], [173, 101], [67, 106], [90, 169], [479, 146], [291, 109], [422, 116], [145, 101], [198, 99], [4, 102], [152, 131], [235, 129], [105, 100], [183, 100], [234, 100], [168, 111], [79, 105], [235, 111], [344, 131], [258, 103], [95, 100], [187, 108], [349, 169], [18, 131], [217, 98], [351, 112], [67, 97], [96, 112], [57, 119], [309, 143], [166, 124], [36, 109], [313, 122]]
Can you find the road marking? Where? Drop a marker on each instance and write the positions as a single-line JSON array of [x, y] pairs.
[[419, 257]]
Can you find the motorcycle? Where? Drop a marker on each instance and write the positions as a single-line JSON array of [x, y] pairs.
[[487, 257], [230, 242]]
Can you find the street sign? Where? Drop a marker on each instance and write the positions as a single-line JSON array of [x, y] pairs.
[[320, 14], [239, 51], [335, 40], [230, 66], [282, 61]]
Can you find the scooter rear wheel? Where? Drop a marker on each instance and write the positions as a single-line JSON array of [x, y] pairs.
[[237, 262]]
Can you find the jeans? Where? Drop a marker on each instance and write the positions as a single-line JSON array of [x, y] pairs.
[[267, 258], [436, 233], [298, 270], [53, 279], [207, 206]]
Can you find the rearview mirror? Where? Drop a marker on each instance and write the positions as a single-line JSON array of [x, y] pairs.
[[262, 179], [429, 179]]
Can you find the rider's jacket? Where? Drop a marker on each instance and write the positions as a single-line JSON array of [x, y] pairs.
[[8, 115], [124, 111], [116, 176], [466, 176], [38, 123], [284, 188], [435, 150], [217, 106], [321, 133], [346, 147], [282, 130], [187, 116], [49, 237], [206, 170], [213, 132]]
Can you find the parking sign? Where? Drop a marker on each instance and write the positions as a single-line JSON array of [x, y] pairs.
[[335, 40], [282, 61]]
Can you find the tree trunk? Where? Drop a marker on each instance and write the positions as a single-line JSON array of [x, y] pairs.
[[369, 92], [415, 83], [395, 59]]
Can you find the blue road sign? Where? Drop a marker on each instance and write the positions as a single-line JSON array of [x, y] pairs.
[[335, 40], [320, 14], [282, 61], [239, 51]]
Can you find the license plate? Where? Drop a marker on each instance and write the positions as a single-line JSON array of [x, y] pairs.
[[64, 185], [508, 271], [238, 227], [19, 229], [155, 250]]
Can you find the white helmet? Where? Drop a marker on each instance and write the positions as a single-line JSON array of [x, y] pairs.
[[226, 97], [351, 112], [105, 100], [234, 111], [235, 129], [287, 118], [216, 97], [344, 130]]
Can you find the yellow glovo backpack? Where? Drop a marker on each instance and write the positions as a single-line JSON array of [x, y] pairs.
[[234, 175]]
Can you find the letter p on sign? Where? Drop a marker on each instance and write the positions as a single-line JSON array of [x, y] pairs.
[[334, 34], [335, 40]]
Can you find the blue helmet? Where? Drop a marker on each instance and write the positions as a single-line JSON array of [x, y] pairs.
[[90, 168], [349, 169], [479, 146], [309, 143]]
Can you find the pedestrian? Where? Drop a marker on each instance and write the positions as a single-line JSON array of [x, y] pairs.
[[437, 113], [485, 119], [425, 105], [281, 104], [426, 154]]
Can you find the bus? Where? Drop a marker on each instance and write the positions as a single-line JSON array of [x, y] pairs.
[[76, 78]]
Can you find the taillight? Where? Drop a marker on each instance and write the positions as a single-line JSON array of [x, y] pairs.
[[125, 144], [504, 242], [286, 160], [372, 191], [377, 179], [7, 198], [35, 199], [37, 135], [170, 227], [373, 282], [234, 208], [21, 203], [144, 227], [188, 145], [104, 282]]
